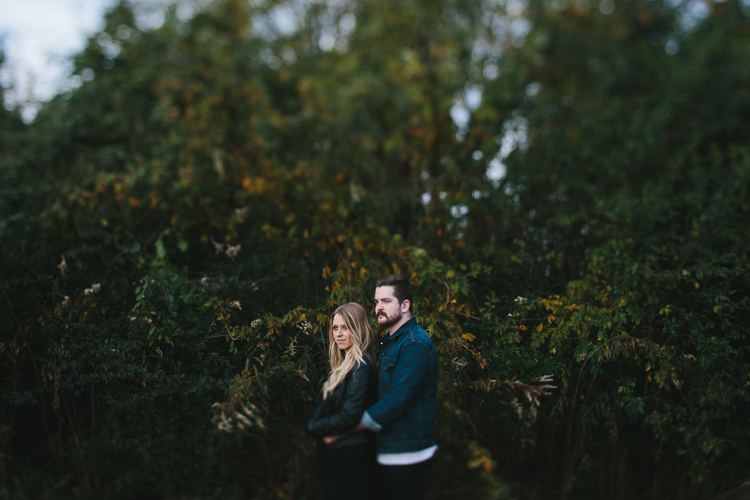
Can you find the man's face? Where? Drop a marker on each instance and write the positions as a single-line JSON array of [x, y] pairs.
[[387, 309]]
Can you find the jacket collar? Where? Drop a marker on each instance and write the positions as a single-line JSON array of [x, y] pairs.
[[404, 328]]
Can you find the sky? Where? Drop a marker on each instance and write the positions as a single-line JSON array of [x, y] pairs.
[[38, 36]]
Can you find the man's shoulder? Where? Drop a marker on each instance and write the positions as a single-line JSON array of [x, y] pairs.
[[416, 329], [417, 335]]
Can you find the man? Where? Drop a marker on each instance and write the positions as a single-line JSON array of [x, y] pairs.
[[404, 416]]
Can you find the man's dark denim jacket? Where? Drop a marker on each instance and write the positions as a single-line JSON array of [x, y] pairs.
[[407, 391]]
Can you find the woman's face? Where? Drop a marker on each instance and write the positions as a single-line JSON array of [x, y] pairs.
[[341, 334]]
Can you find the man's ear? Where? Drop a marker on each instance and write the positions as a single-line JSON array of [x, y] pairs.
[[405, 306]]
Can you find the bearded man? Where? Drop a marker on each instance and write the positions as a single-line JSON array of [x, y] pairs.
[[404, 415]]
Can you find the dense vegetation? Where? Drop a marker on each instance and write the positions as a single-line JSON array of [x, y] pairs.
[[566, 183]]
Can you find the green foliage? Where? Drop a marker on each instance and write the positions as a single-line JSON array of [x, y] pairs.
[[176, 232]]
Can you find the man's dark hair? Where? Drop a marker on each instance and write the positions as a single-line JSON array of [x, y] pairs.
[[401, 288]]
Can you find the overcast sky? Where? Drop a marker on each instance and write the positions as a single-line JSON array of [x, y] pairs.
[[38, 37]]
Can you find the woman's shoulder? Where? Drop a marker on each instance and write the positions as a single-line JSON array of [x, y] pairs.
[[365, 365], [367, 360]]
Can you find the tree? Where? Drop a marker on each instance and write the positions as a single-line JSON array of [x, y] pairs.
[[564, 184]]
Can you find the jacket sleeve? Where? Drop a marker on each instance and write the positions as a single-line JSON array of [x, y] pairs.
[[409, 373], [317, 414], [350, 413]]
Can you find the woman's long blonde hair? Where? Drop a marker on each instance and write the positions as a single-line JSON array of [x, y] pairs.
[[358, 324]]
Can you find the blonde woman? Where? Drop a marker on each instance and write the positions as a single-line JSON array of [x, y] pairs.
[[346, 468]]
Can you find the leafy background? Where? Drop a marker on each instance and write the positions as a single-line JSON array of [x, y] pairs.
[[565, 183]]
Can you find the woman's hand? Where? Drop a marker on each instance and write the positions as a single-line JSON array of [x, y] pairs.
[[332, 439]]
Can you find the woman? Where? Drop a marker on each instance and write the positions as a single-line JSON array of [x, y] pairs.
[[346, 468]]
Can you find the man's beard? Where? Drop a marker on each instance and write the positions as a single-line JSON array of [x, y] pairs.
[[389, 321]]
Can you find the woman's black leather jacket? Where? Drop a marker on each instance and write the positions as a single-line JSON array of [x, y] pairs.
[[343, 409]]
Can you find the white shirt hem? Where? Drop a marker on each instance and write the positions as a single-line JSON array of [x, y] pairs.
[[407, 458]]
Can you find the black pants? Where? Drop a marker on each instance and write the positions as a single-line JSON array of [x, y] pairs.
[[403, 482], [347, 472]]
